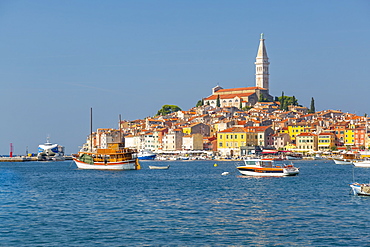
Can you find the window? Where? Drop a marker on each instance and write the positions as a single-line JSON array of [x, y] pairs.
[[236, 136], [227, 136]]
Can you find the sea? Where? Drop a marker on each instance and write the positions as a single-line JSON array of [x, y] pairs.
[[190, 204]]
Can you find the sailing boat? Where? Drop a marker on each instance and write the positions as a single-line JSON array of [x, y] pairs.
[[108, 155]]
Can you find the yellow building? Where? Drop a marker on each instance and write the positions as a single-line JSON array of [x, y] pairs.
[[230, 140], [325, 141], [349, 137], [294, 130]]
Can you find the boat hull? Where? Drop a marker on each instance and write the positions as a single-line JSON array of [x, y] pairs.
[[342, 162], [159, 167], [268, 172], [360, 189], [147, 157], [362, 164], [121, 165]]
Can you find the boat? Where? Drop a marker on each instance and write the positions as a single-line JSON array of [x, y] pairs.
[[363, 163], [114, 157], [360, 189], [266, 167], [50, 151], [109, 154], [159, 167], [146, 155], [295, 156], [346, 159], [339, 161]]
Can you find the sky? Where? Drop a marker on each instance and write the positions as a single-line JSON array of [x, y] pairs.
[[60, 58]]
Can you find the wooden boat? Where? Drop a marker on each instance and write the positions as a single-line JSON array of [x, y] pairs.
[[360, 189], [159, 167], [112, 158], [266, 167], [107, 155]]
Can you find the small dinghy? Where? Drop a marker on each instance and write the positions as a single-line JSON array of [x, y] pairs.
[[159, 167]]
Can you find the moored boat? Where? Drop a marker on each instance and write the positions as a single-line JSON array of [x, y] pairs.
[[146, 155], [113, 158], [159, 167], [360, 189], [342, 161], [266, 167], [50, 151], [105, 150], [364, 163]]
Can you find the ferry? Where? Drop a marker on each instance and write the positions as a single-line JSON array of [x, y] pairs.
[[266, 167], [50, 151]]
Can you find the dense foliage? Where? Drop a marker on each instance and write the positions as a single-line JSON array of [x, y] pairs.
[[167, 109]]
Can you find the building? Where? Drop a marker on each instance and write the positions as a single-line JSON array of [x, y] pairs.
[[306, 142], [326, 141], [245, 96]]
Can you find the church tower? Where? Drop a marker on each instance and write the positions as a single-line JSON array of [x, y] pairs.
[[262, 66]]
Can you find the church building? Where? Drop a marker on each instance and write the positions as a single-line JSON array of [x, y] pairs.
[[246, 96]]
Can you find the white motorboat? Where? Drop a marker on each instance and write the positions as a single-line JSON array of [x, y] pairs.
[[266, 167], [343, 161], [364, 163], [360, 189]]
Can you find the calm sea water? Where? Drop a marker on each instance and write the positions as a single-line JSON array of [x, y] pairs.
[[190, 204]]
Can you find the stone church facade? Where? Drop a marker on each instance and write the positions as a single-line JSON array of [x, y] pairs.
[[246, 96]]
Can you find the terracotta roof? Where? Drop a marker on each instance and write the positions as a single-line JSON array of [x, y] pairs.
[[228, 96]]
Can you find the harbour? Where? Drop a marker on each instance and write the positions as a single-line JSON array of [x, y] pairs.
[[190, 204]]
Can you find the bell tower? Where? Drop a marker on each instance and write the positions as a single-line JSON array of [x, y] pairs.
[[262, 66]]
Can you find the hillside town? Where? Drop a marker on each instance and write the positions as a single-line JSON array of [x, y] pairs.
[[236, 122], [229, 132]]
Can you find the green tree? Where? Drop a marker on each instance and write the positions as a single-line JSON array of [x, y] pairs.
[[281, 100], [262, 98], [218, 103], [200, 103], [312, 107], [286, 101], [167, 109]]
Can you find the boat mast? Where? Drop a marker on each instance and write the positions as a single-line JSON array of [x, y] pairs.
[[91, 129], [119, 127]]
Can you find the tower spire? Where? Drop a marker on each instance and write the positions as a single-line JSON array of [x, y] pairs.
[[262, 66]]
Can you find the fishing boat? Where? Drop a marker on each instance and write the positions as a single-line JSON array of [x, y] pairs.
[[266, 167], [105, 150], [364, 163], [159, 167], [360, 189]]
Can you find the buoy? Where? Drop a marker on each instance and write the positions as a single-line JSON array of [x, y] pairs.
[[215, 165], [225, 173]]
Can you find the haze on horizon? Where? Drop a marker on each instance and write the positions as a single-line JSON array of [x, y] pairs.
[[59, 59]]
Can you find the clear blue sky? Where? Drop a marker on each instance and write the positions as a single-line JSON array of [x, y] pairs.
[[59, 58]]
